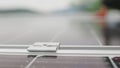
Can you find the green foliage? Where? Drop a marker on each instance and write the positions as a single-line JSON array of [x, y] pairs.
[[96, 5]]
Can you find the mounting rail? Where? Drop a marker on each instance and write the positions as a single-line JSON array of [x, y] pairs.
[[60, 50]]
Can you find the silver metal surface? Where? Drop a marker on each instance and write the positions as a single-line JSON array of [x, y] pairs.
[[77, 50], [44, 47]]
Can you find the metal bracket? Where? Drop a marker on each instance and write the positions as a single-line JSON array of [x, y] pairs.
[[44, 47]]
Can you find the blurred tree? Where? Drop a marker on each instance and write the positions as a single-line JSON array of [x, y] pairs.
[[94, 6], [86, 5], [76, 5]]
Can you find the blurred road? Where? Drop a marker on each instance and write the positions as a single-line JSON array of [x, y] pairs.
[[24, 29], [30, 29]]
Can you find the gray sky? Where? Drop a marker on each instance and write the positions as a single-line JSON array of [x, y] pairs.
[[44, 5]]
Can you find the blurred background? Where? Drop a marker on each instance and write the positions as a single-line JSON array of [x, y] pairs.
[[70, 22]]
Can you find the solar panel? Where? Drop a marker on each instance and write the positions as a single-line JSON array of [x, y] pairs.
[[14, 61], [28, 30], [22, 61], [71, 62]]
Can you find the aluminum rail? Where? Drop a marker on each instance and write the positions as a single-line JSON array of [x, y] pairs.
[[63, 50]]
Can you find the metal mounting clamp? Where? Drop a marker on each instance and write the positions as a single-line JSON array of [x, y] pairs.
[[44, 47]]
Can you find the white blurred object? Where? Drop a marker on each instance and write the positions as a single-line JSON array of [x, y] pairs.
[[113, 17]]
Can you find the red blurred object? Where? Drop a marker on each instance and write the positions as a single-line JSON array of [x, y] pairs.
[[117, 59], [101, 14]]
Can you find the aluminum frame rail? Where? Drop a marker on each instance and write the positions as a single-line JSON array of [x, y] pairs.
[[64, 50]]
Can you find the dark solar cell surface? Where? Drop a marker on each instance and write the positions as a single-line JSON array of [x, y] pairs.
[[71, 62], [22, 61], [18, 61], [14, 61]]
